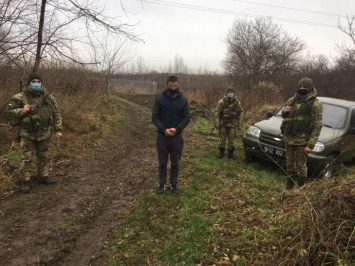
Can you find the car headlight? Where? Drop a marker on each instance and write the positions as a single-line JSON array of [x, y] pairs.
[[319, 147], [254, 131]]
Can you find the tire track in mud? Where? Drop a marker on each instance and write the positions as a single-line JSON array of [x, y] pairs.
[[69, 223]]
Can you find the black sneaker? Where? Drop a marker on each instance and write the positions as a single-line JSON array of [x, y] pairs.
[[160, 189], [46, 180], [174, 189]]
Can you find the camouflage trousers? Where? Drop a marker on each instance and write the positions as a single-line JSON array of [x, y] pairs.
[[227, 135], [296, 160], [28, 150]]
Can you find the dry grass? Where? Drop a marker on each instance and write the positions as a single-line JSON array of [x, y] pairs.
[[87, 113], [317, 230], [263, 98], [323, 233]]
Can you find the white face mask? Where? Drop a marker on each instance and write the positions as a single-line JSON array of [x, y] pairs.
[[230, 95]]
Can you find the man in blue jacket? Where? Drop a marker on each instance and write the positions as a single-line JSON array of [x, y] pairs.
[[170, 115]]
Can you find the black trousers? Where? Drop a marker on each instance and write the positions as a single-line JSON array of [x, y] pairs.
[[172, 146]]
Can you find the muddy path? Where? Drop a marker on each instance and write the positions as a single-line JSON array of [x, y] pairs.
[[69, 223]]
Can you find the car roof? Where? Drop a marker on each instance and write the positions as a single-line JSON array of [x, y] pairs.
[[335, 101]]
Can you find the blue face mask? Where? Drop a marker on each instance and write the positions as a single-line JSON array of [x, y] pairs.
[[36, 86], [230, 95]]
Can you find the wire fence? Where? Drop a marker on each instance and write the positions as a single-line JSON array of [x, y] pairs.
[[132, 87]]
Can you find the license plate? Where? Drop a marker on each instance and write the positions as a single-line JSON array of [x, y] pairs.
[[273, 151]]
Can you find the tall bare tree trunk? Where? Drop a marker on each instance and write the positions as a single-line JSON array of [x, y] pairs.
[[40, 36]]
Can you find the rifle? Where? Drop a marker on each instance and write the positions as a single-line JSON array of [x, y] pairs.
[[18, 131]]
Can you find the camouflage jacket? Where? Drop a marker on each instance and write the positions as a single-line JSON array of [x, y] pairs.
[[44, 116], [228, 113], [303, 124]]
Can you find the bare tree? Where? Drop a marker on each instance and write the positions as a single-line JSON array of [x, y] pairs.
[[313, 65], [59, 30], [140, 65], [40, 36], [170, 68], [179, 66], [14, 23], [260, 50], [346, 49]]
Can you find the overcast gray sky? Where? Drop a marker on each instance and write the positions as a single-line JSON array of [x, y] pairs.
[[197, 36]]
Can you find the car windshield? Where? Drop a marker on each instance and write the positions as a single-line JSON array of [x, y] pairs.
[[334, 116]]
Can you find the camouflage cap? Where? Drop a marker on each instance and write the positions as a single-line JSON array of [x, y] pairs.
[[33, 76], [230, 89], [306, 82]]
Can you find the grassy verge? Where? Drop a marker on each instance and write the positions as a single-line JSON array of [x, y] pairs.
[[82, 134], [227, 213]]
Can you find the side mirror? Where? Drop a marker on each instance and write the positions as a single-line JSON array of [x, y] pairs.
[[351, 131], [270, 114]]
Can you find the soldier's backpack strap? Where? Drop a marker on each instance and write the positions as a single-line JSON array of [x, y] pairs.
[[310, 103], [293, 101], [46, 98], [25, 101], [313, 101], [237, 105]]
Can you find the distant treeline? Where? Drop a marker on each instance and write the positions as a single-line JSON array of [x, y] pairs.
[[332, 81]]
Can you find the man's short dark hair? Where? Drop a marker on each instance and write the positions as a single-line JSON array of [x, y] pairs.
[[172, 79]]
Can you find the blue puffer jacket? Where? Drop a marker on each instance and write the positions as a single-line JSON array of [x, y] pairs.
[[171, 112]]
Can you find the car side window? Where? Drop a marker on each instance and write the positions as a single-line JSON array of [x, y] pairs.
[[352, 119]]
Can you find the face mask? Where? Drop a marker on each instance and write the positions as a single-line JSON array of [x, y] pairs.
[[302, 91], [173, 92], [230, 95], [36, 86]]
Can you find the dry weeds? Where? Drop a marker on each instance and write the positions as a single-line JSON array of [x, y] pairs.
[[324, 232]]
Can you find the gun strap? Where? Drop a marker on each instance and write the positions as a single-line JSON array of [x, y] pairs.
[[25, 101]]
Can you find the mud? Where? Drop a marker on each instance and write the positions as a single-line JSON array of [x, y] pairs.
[[70, 223]]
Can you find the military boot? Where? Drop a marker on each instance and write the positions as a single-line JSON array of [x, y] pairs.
[[231, 154], [45, 180], [290, 181], [25, 186], [301, 181], [221, 152]]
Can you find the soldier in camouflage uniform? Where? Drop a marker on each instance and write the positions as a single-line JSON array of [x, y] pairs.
[[301, 128], [228, 115], [38, 116]]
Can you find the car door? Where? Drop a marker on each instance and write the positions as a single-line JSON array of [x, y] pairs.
[[348, 141]]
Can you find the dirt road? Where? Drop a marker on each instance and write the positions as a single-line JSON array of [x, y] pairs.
[[70, 222]]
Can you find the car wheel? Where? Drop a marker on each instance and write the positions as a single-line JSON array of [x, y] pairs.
[[329, 167]]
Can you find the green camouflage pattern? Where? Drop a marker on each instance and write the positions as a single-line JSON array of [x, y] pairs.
[[30, 149], [306, 82], [303, 124], [227, 136], [43, 119], [296, 160], [228, 113], [227, 118]]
